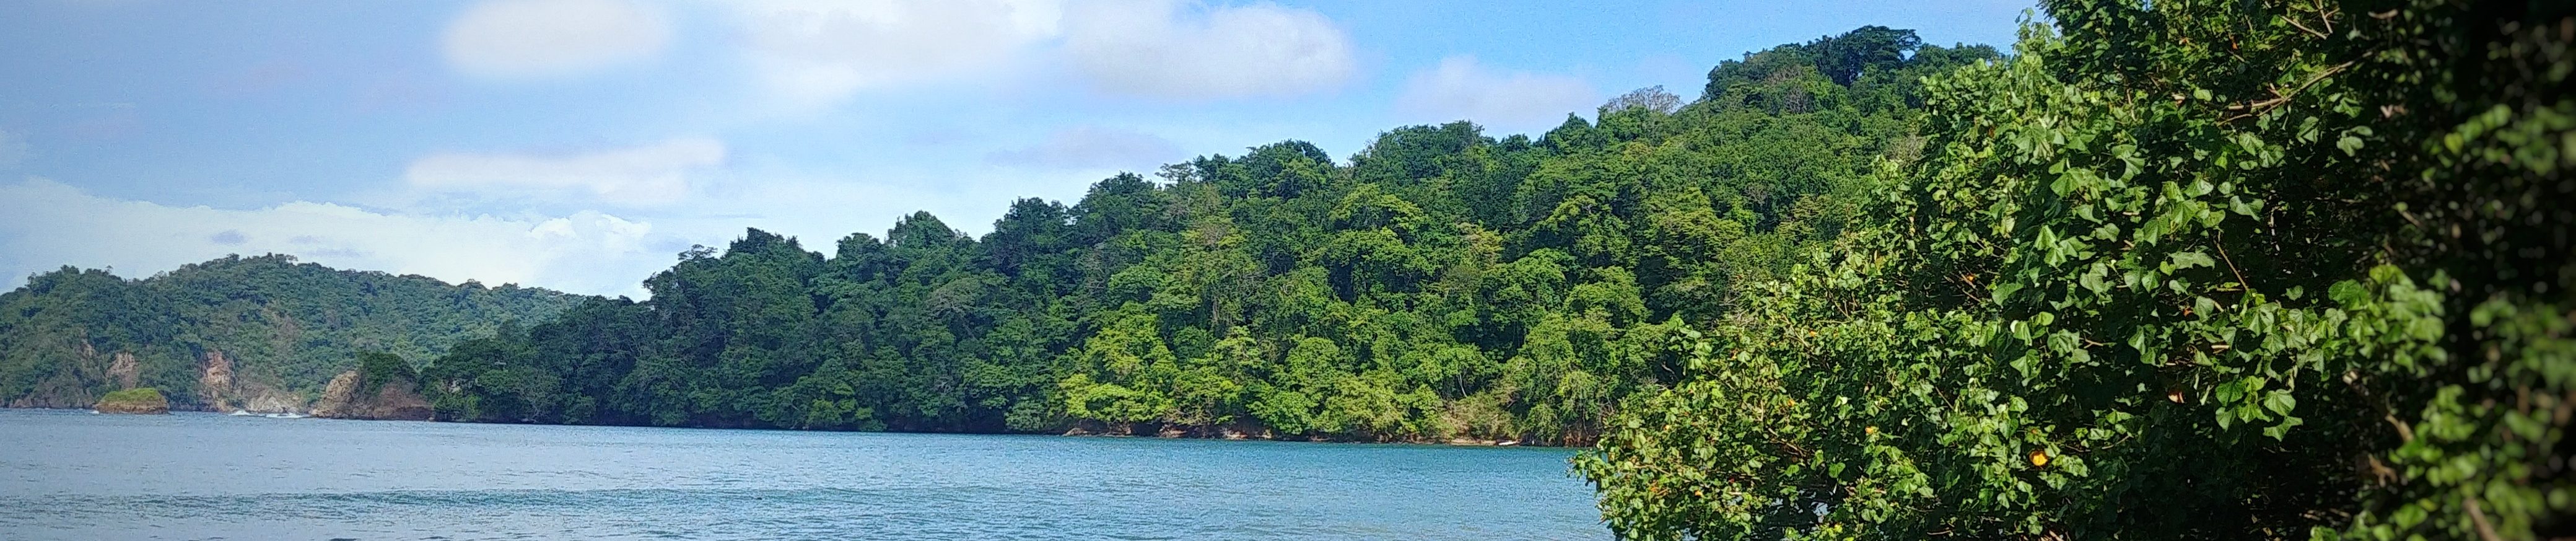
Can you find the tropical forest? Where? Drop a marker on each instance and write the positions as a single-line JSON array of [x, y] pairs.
[[2270, 269]]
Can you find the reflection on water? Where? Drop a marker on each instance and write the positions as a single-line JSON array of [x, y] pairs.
[[76, 475]]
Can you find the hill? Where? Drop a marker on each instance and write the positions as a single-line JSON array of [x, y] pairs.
[[1440, 284], [2173, 270], [261, 332]]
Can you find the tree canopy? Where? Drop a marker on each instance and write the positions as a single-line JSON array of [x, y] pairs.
[[2255, 270], [1442, 284], [2170, 270]]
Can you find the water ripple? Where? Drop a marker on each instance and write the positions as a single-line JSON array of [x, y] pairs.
[[212, 477]]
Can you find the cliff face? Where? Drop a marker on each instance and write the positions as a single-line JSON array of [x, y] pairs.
[[346, 397], [222, 387], [125, 371], [215, 380]]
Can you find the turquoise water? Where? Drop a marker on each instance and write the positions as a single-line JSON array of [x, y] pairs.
[[78, 475]]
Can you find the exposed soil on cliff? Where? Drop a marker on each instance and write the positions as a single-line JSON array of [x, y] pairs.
[[346, 398], [221, 387]]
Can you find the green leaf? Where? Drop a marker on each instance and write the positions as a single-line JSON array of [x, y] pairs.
[[2185, 260], [2279, 402]]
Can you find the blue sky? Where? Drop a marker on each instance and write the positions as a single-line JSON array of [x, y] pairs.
[[579, 144]]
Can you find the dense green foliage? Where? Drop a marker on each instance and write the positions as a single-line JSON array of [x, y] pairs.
[[377, 368], [1442, 284], [284, 328], [138, 395], [2177, 270], [2173, 270], [137, 401]]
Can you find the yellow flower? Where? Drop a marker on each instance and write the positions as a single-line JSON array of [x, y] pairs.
[[2039, 458], [1870, 430]]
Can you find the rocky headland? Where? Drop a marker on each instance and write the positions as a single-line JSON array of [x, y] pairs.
[[350, 396]]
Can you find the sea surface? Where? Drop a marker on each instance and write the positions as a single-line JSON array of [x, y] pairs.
[[85, 476]]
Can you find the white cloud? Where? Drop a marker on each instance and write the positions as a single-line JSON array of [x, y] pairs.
[[529, 38], [44, 225], [1167, 49], [1094, 147], [1461, 89], [648, 175], [821, 51]]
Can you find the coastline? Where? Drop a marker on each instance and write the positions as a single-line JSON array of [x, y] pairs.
[[1075, 432]]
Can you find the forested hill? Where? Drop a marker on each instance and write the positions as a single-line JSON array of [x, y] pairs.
[[239, 332], [1443, 284], [2172, 270]]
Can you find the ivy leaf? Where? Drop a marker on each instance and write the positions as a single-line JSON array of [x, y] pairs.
[[2282, 430], [2185, 260], [2279, 401], [2230, 392]]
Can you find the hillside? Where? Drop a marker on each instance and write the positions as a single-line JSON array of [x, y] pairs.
[[239, 332], [2169, 270], [1439, 284], [2172, 270]]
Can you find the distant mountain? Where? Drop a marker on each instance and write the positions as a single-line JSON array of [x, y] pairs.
[[262, 333]]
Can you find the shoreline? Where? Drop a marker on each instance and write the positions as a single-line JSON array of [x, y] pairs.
[[1076, 432]]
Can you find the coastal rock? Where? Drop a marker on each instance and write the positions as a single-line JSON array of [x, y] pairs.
[[223, 386], [125, 370], [140, 400], [347, 397], [215, 381]]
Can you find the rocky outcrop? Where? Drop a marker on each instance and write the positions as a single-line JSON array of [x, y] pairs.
[[263, 398], [140, 400], [215, 380], [222, 387], [348, 397], [125, 370]]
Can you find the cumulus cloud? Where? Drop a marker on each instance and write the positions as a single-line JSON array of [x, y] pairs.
[[44, 225], [1168, 49], [820, 51], [648, 175], [529, 38], [1093, 147], [823, 51], [1459, 88]]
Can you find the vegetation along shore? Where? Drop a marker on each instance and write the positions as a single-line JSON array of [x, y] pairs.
[[2167, 270]]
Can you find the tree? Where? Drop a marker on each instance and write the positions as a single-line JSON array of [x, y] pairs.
[[1652, 98], [2161, 277]]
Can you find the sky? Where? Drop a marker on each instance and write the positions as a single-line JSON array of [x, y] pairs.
[[580, 145]]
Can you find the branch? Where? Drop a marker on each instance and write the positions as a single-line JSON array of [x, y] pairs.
[[2294, 22], [2241, 283], [2255, 108], [2479, 517]]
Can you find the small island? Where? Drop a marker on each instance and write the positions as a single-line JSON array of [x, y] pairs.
[[138, 401]]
